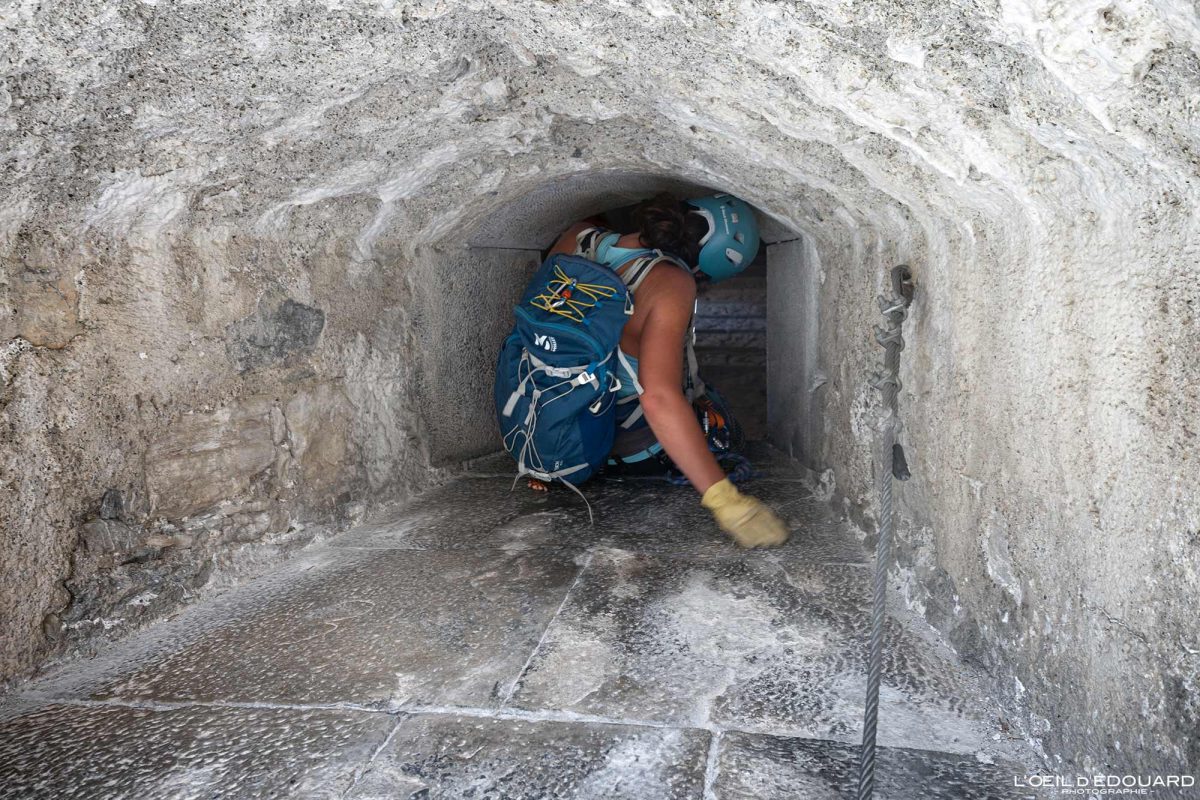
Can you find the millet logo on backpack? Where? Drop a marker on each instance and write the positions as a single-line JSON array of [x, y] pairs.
[[545, 342]]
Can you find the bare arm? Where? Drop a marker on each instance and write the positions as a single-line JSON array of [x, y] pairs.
[[670, 294]]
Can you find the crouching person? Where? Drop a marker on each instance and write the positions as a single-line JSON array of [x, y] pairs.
[[647, 382]]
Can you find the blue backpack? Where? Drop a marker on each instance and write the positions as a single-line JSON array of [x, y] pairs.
[[556, 378]]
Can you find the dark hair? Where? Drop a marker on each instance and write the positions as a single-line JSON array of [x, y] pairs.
[[664, 224]]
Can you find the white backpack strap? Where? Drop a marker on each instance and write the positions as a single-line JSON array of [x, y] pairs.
[[633, 417], [587, 241], [629, 371], [636, 414], [696, 387], [633, 275]]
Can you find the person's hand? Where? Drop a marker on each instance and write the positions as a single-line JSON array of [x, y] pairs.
[[747, 520]]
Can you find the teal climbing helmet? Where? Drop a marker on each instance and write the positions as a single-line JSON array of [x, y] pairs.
[[732, 239]]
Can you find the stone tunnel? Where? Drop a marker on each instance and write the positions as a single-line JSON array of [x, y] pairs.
[[258, 260]]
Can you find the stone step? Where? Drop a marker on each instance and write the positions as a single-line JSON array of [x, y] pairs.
[[714, 339], [706, 324], [739, 286], [732, 308], [731, 356]]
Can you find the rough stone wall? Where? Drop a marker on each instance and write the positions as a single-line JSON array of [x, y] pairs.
[[797, 378], [463, 312], [220, 399], [210, 183]]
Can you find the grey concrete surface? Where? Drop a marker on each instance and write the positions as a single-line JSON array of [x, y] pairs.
[[483, 643], [462, 311]]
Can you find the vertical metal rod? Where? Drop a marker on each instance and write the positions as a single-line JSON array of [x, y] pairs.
[[894, 309]]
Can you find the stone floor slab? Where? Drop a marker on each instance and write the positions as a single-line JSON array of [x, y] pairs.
[[475, 512], [458, 757], [768, 460], [756, 767], [648, 518], [98, 752], [771, 462], [368, 627], [529, 654], [641, 515], [758, 643]]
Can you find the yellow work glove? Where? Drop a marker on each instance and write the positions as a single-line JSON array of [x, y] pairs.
[[747, 520]]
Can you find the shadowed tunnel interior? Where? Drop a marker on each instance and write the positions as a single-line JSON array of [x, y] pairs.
[[502, 252], [257, 261]]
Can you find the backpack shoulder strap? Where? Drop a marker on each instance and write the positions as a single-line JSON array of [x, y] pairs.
[[694, 387], [587, 242], [633, 275]]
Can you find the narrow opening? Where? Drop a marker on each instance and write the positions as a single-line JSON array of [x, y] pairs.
[[734, 326]]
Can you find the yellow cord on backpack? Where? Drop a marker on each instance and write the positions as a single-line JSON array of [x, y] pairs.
[[566, 296]]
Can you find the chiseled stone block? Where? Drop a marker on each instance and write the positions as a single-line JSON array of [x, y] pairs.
[[457, 756], [205, 457], [72, 752]]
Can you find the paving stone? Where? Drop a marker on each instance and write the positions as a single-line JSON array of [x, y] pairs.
[[438, 610], [756, 767], [761, 643], [648, 518], [358, 626], [773, 462], [459, 757], [471, 513], [110, 752], [634, 514]]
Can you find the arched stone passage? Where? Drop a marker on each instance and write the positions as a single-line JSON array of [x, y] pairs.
[[473, 277], [231, 238]]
